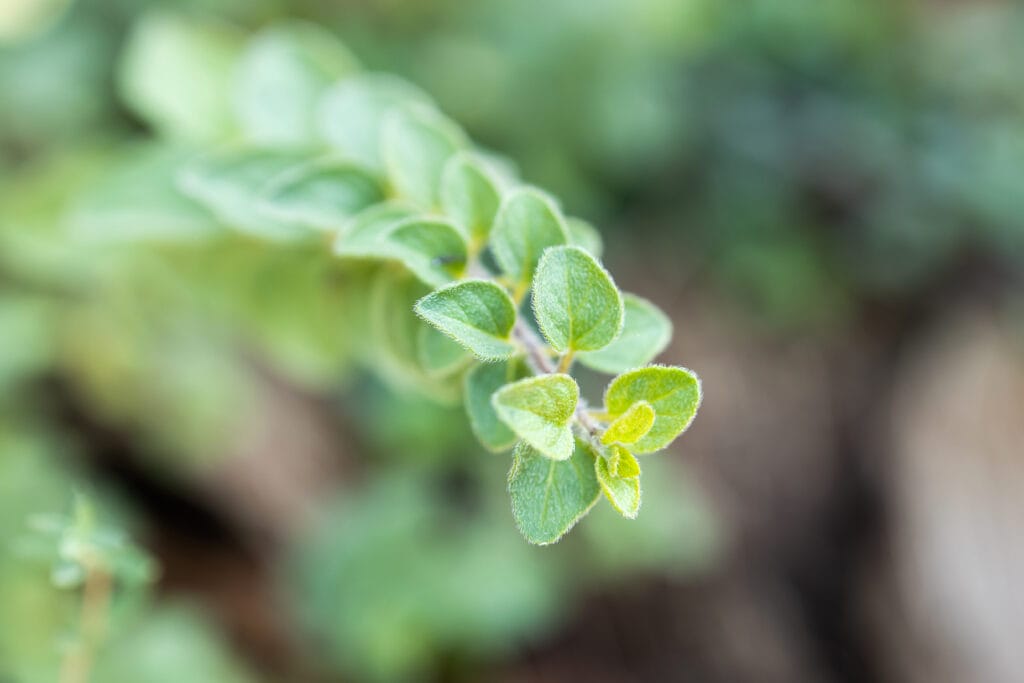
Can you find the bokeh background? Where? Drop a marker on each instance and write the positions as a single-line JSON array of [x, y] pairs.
[[826, 196]]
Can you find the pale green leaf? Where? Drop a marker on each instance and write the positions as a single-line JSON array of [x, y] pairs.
[[138, 200], [416, 142], [358, 237], [631, 426], [322, 194], [481, 383], [646, 332], [439, 355], [431, 249], [674, 393], [527, 223], [584, 235], [392, 343], [623, 463], [168, 55], [231, 185], [351, 113], [280, 79], [540, 411], [622, 492], [477, 314], [575, 301], [550, 496], [469, 196]]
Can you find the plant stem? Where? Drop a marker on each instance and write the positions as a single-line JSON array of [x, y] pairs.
[[96, 595]]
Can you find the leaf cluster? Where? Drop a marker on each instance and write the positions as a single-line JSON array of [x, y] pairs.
[[477, 285]]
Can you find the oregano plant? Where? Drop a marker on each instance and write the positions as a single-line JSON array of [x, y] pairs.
[[476, 285]]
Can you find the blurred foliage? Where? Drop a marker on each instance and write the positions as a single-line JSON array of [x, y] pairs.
[[806, 157]]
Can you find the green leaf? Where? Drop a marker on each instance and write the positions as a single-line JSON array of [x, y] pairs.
[[674, 393], [527, 223], [431, 249], [622, 492], [138, 200], [481, 383], [359, 236], [646, 332], [415, 143], [352, 111], [393, 340], [469, 196], [280, 79], [540, 411], [231, 185], [623, 463], [167, 55], [576, 303], [631, 426], [439, 355], [583, 234], [321, 195], [550, 496], [477, 314]]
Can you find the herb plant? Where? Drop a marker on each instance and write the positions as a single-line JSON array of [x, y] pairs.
[[473, 283]]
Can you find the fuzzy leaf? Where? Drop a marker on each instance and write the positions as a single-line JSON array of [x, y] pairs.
[[550, 496], [322, 194], [576, 303], [631, 426], [351, 114], [477, 314], [416, 143], [646, 332], [540, 410], [673, 392], [584, 235], [481, 383], [231, 185], [623, 463], [527, 223], [280, 78], [431, 249], [622, 492], [469, 196]]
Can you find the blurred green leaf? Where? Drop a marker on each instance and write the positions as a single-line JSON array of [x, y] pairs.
[[176, 74], [416, 142], [481, 384], [321, 195], [279, 81], [351, 114]]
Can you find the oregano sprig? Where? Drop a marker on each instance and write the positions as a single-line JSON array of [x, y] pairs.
[[480, 288]]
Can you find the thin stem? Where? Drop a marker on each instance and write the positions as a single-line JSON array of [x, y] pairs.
[[92, 626], [566, 362]]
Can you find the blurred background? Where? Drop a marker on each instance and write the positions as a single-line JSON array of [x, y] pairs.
[[826, 197]]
